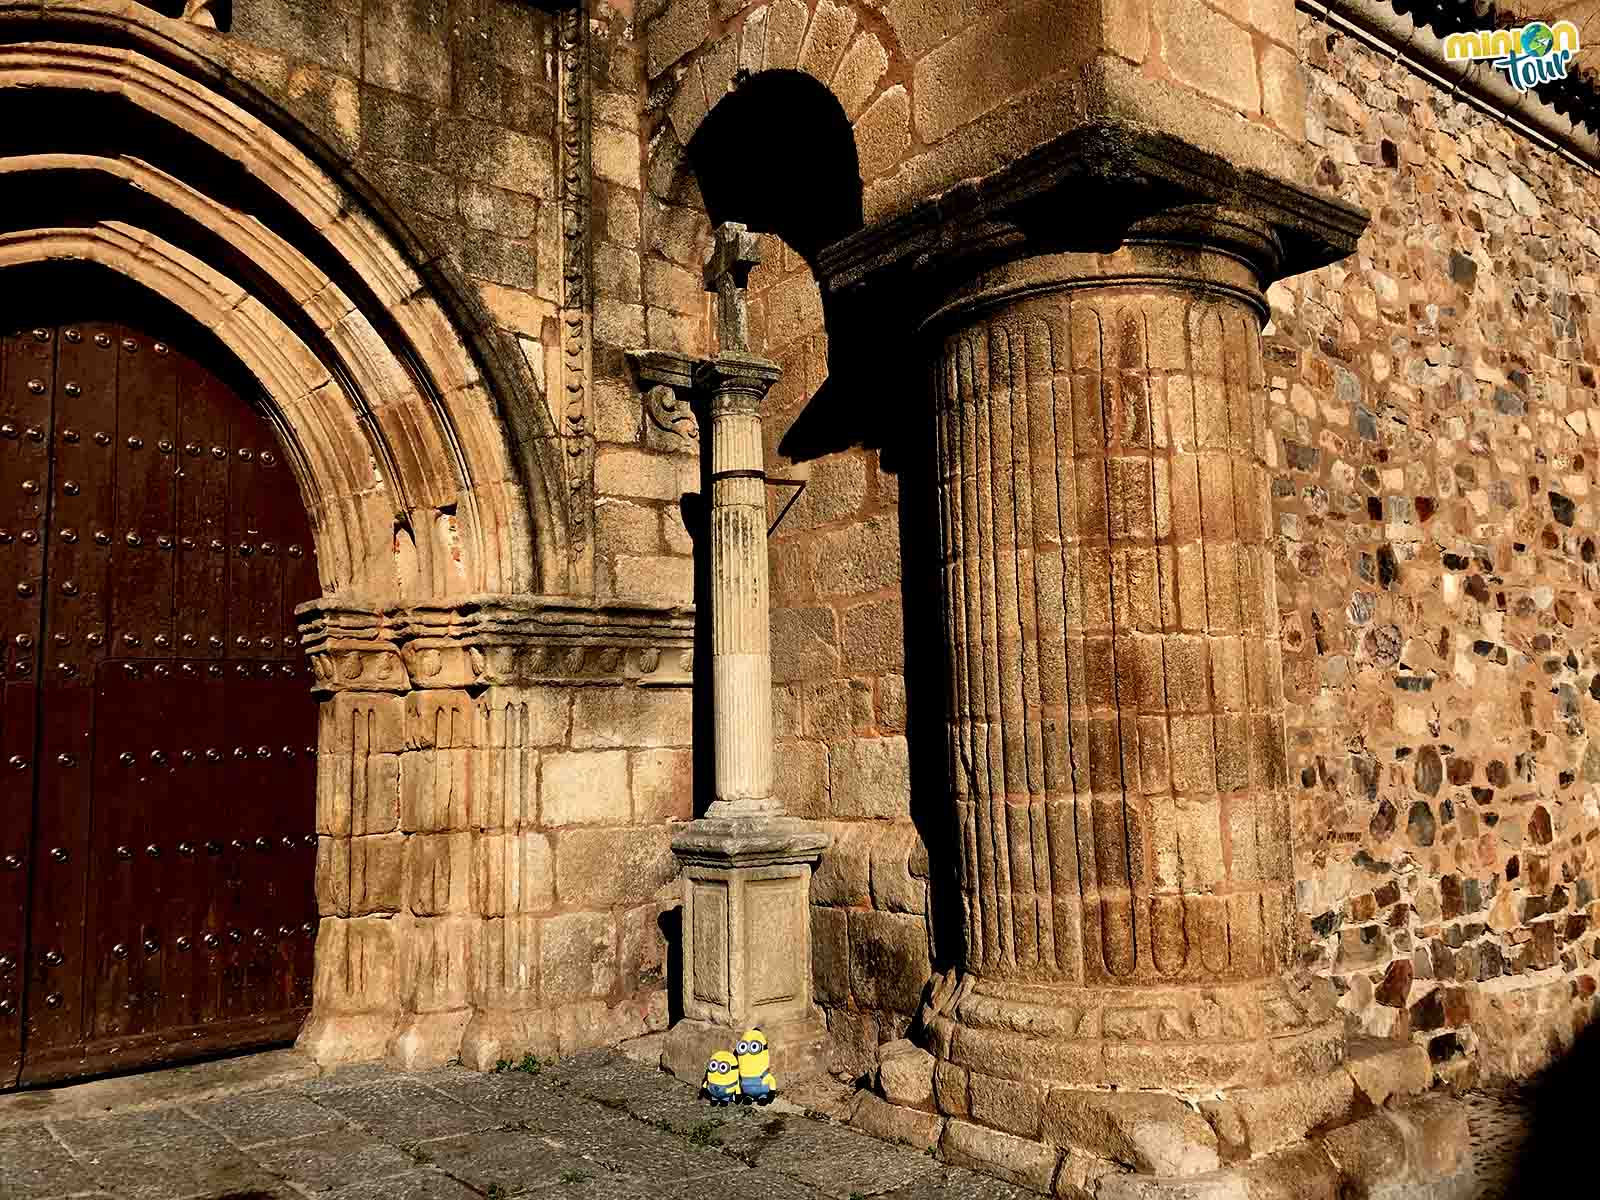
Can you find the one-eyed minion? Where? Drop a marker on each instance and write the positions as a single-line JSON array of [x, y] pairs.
[[756, 1084], [722, 1078]]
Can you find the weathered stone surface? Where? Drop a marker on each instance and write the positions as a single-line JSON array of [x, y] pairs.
[[577, 957], [987, 63], [584, 787], [629, 716], [1382, 1071], [1011, 1158], [662, 782], [889, 960], [680, 28], [1152, 1134], [889, 1121], [905, 1075], [1251, 1122], [869, 777], [602, 868]]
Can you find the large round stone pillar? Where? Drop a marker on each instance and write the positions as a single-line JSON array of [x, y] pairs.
[[1116, 699]]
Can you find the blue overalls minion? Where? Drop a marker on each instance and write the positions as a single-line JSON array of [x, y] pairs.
[[756, 1083], [722, 1078]]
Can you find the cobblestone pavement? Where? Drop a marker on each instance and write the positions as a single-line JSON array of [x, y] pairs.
[[1498, 1124], [594, 1127]]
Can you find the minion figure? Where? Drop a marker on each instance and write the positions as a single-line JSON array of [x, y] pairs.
[[756, 1084], [722, 1078]]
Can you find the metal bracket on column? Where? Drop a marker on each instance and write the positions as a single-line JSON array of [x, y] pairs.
[[799, 485]]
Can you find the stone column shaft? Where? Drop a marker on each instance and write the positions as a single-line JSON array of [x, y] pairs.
[[741, 657], [1116, 695], [746, 867]]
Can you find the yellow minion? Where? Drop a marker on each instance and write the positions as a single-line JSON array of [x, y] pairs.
[[755, 1074], [722, 1078]]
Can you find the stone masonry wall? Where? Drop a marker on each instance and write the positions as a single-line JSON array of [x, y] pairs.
[[495, 860], [499, 865], [447, 108], [1436, 429]]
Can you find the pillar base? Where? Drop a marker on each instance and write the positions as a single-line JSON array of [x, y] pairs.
[[799, 1048], [1359, 1128], [1195, 1039], [747, 943]]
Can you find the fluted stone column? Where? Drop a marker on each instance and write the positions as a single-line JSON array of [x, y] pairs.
[[1116, 695], [741, 635], [747, 868]]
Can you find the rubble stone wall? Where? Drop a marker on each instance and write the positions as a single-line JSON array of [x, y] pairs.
[[1435, 415]]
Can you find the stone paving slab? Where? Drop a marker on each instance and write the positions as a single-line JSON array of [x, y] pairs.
[[594, 1127]]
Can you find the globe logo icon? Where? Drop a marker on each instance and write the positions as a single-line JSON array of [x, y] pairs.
[[1537, 39]]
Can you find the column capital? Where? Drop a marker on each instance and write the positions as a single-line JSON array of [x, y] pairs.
[[1090, 190], [744, 373], [1202, 247]]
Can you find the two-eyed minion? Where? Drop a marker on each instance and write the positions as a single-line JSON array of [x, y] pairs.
[[722, 1078], [756, 1083]]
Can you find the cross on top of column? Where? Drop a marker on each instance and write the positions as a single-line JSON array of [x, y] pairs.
[[734, 251]]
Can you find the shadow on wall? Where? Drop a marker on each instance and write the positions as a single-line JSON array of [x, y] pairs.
[[778, 155], [1560, 1117]]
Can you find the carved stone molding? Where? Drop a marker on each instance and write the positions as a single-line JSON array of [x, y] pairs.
[[670, 397], [498, 641], [574, 151]]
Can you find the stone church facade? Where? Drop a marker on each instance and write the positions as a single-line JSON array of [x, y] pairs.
[[1176, 421]]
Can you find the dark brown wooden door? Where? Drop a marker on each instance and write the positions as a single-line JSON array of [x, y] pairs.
[[157, 733]]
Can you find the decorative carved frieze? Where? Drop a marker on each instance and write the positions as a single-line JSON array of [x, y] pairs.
[[501, 641]]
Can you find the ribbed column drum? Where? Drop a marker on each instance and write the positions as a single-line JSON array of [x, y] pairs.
[[741, 666], [1116, 697]]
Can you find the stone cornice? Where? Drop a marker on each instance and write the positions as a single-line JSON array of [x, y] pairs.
[[1082, 191], [485, 641]]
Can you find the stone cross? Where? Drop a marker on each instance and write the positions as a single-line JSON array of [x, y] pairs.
[[734, 251]]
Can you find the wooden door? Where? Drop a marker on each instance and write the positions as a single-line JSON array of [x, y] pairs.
[[157, 734]]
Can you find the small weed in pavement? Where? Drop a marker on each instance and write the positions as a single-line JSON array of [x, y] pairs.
[[495, 1192], [705, 1134], [574, 1177], [528, 1065]]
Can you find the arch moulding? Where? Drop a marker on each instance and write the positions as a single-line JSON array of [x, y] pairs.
[[447, 654]]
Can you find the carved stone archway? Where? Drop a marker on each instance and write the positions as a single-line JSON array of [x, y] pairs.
[[446, 650]]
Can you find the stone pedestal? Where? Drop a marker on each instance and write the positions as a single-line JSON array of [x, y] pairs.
[[747, 943]]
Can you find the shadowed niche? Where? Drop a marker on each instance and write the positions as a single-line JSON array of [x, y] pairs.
[[778, 155]]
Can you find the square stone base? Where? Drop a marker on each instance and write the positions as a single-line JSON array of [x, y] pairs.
[[799, 1048]]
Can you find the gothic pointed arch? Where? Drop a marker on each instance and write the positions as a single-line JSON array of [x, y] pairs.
[[425, 456]]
